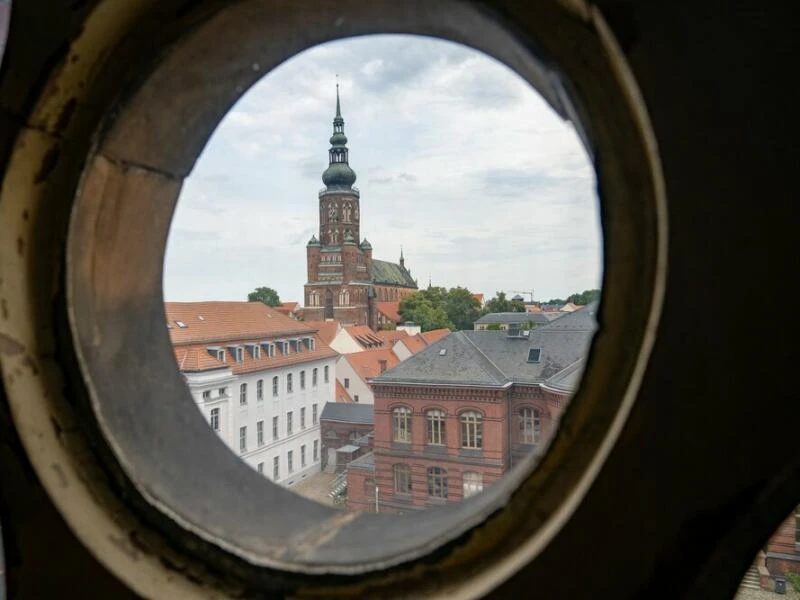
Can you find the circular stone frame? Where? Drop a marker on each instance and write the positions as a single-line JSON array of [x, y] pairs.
[[111, 432]]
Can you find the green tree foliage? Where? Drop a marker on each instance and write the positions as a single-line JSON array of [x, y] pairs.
[[266, 295], [584, 297], [437, 307], [500, 303], [494, 327]]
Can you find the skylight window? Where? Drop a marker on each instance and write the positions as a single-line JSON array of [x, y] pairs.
[[443, 351], [534, 354], [181, 324]]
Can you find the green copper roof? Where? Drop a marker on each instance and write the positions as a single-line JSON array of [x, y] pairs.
[[391, 273]]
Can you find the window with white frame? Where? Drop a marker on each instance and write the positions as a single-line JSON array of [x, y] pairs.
[[530, 425], [303, 417], [314, 377], [436, 423], [239, 354], [302, 380], [260, 467], [316, 451], [275, 428], [437, 482], [347, 383], [214, 419], [243, 394], [243, 439], [289, 385], [221, 355], [276, 468], [222, 392], [260, 433], [303, 455], [471, 430], [256, 351], [260, 389], [313, 414], [401, 424], [402, 478], [290, 461], [275, 386], [289, 423], [472, 482], [207, 395], [326, 374]]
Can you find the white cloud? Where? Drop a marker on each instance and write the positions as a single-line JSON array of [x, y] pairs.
[[458, 160]]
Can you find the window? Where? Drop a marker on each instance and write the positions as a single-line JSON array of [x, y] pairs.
[[316, 451], [355, 398], [239, 354], [326, 374], [534, 355], [402, 479], [303, 455], [314, 377], [261, 467], [275, 386], [243, 439], [215, 419], [303, 418], [222, 392], [437, 482], [530, 425], [346, 383], [274, 428], [472, 482], [401, 424], [302, 380], [276, 468], [260, 433], [436, 427], [207, 395], [290, 461], [289, 383], [313, 414], [471, 430], [289, 423], [243, 394], [221, 355], [260, 389]]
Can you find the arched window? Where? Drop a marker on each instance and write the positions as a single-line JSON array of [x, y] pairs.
[[530, 425], [401, 424], [328, 304], [402, 479], [344, 298], [471, 430], [437, 482], [435, 419], [472, 482]]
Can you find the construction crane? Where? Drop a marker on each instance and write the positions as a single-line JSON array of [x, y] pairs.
[[529, 292]]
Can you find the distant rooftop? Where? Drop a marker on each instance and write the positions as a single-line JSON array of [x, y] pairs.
[[513, 317], [348, 413]]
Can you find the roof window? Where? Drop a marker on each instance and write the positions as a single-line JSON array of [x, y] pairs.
[[534, 354], [181, 324]]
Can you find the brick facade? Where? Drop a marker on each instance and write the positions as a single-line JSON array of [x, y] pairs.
[[337, 434], [783, 548]]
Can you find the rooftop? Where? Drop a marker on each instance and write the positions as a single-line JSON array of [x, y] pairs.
[[513, 317], [362, 414], [390, 310], [391, 273], [367, 364]]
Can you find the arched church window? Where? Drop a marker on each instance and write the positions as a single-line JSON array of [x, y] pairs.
[[328, 304]]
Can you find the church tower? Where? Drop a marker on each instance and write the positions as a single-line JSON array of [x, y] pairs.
[[338, 265]]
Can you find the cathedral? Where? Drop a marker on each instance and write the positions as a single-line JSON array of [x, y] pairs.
[[344, 281]]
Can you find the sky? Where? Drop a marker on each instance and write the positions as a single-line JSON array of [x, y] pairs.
[[458, 159]]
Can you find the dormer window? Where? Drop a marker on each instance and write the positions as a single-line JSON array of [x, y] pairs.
[[255, 350], [309, 342], [239, 354], [217, 352]]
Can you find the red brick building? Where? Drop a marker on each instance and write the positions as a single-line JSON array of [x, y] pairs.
[[453, 418], [782, 553], [344, 281], [344, 425]]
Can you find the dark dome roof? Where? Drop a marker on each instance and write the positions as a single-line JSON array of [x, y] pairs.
[[339, 175], [338, 139]]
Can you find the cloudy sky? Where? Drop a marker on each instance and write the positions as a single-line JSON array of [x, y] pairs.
[[458, 160]]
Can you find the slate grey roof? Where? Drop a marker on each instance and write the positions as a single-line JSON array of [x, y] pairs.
[[367, 461], [348, 413], [568, 379], [391, 273], [514, 317], [493, 358]]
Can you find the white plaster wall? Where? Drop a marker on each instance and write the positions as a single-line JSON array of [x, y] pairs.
[[344, 343], [358, 387], [234, 415], [401, 351]]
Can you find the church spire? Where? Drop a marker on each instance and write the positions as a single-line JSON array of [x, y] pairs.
[[402, 259], [338, 176]]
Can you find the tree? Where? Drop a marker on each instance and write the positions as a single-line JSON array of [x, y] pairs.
[[462, 308], [502, 304], [584, 297], [417, 307], [266, 295]]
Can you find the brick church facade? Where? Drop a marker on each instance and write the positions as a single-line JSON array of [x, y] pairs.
[[344, 281]]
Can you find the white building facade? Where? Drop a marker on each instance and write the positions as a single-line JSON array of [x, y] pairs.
[[263, 393]]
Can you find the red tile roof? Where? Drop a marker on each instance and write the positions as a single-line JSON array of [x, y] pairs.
[[223, 324], [420, 341], [368, 363], [341, 394], [287, 307], [390, 310], [365, 337], [390, 337], [326, 330], [478, 297], [434, 335]]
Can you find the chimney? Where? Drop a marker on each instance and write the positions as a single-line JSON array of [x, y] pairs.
[[382, 363]]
